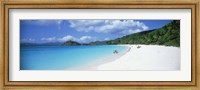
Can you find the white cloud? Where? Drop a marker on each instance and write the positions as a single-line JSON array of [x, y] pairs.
[[67, 38], [107, 39], [59, 21], [49, 39], [85, 38], [122, 27], [28, 40], [82, 39]]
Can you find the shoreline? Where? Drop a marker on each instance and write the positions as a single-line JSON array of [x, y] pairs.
[[146, 57], [94, 65]]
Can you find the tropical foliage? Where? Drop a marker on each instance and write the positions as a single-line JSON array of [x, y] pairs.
[[168, 35]]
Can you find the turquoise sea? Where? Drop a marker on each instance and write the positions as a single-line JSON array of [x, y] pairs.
[[65, 57]]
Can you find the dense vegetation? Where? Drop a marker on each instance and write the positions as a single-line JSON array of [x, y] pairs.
[[70, 43], [168, 35]]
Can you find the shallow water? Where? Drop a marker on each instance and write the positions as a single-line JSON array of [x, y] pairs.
[[64, 57]]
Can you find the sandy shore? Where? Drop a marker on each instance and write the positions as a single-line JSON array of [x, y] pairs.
[[147, 57]]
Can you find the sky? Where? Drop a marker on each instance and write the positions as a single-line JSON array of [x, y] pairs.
[[82, 31]]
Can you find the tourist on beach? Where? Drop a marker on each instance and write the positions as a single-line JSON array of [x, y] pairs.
[[138, 46], [115, 52]]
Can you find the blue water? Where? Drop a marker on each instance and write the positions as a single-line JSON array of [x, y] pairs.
[[64, 57]]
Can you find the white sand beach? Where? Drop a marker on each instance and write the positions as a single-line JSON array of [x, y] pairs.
[[147, 57]]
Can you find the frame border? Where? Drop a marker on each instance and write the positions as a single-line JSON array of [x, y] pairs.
[[6, 5]]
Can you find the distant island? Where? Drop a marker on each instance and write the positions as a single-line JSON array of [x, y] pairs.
[[71, 43], [168, 35]]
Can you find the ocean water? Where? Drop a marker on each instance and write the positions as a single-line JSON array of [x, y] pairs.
[[65, 57]]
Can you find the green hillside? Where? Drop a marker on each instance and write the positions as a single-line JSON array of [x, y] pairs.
[[168, 35], [70, 43]]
